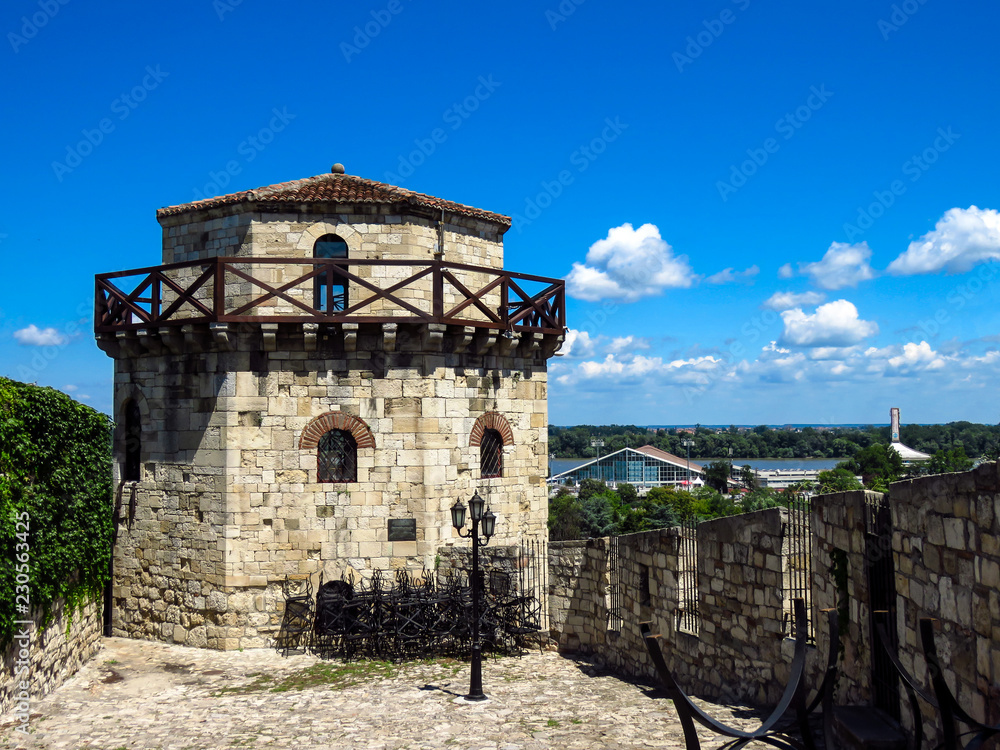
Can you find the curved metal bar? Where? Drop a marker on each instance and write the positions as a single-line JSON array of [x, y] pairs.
[[830, 674], [688, 711], [913, 690], [947, 704]]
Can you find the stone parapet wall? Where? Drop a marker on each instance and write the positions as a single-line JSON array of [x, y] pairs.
[[946, 548], [740, 652], [578, 582], [53, 654], [840, 581]]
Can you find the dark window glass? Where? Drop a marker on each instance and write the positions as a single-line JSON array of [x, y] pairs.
[[330, 290], [491, 455], [337, 457], [133, 441]]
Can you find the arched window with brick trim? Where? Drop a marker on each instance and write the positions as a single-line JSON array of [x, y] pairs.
[[329, 288], [337, 457], [337, 437], [490, 434], [133, 442], [491, 455]]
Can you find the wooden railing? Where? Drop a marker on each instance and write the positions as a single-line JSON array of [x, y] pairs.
[[283, 290]]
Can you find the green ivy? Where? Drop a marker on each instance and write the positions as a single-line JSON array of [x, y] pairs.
[[55, 466]]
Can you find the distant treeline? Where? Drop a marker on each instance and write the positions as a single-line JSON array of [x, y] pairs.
[[769, 442]]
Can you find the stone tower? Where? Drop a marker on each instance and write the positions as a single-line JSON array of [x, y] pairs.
[[317, 371]]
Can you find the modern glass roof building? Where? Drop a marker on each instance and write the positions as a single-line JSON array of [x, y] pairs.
[[644, 467]]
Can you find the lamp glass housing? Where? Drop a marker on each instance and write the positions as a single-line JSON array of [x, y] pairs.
[[458, 515], [489, 524], [476, 506]]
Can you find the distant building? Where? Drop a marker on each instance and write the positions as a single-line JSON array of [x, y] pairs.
[[908, 454], [781, 479], [644, 467]]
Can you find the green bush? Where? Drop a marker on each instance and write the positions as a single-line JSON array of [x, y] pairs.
[[55, 471]]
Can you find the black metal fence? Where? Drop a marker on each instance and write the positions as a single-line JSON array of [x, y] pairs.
[[415, 616], [688, 618], [615, 585], [797, 563], [881, 575]]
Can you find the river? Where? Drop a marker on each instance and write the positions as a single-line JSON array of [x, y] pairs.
[[559, 465]]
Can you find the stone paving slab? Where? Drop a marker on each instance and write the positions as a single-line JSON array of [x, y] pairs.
[[143, 694]]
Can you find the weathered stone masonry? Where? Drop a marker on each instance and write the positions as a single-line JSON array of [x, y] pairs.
[[229, 503], [945, 549]]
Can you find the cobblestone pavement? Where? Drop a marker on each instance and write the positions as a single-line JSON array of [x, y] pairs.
[[141, 694]]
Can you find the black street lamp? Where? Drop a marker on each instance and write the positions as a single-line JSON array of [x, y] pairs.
[[489, 521]]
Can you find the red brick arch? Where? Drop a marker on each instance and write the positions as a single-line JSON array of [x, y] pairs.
[[491, 420], [336, 420]]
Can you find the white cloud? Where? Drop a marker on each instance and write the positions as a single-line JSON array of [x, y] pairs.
[[833, 324], [773, 347], [917, 357], [626, 343], [830, 353], [786, 271], [728, 276], [786, 300], [629, 264], [842, 265], [697, 371], [35, 336], [578, 344], [70, 388], [636, 366], [961, 239]]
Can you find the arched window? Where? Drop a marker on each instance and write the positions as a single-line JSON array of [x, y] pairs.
[[330, 290], [491, 455], [337, 457], [133, 440]]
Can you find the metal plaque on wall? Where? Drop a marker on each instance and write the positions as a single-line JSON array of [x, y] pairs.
[[402, 530]]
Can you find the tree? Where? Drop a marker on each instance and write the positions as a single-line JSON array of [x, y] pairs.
[[945, 462], [837, 480], [628, 494], [748, 477], [597, 516], [681, 503], [565, 519], [759, 499], [717, 475], [878, 464], [591, 487]]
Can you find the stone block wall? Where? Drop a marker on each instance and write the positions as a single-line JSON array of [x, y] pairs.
[[578, 583], [840, 581], [946, 546], [740, 653], [229, 504], [53, 654]]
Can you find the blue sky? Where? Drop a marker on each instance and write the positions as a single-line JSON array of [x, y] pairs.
[[766, 213]]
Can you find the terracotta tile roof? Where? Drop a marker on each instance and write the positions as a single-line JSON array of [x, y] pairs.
[[335, 188], [657, 453]]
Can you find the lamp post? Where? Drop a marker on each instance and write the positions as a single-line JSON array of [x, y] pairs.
[[597, 443], [687, 444], [489, 521]]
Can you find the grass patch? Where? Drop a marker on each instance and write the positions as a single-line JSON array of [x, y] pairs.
[[334, 676]]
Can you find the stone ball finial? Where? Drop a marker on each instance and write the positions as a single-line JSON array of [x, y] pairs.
[[337, 168]]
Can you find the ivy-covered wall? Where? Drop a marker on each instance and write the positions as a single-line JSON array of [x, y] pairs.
[[56, 504]]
